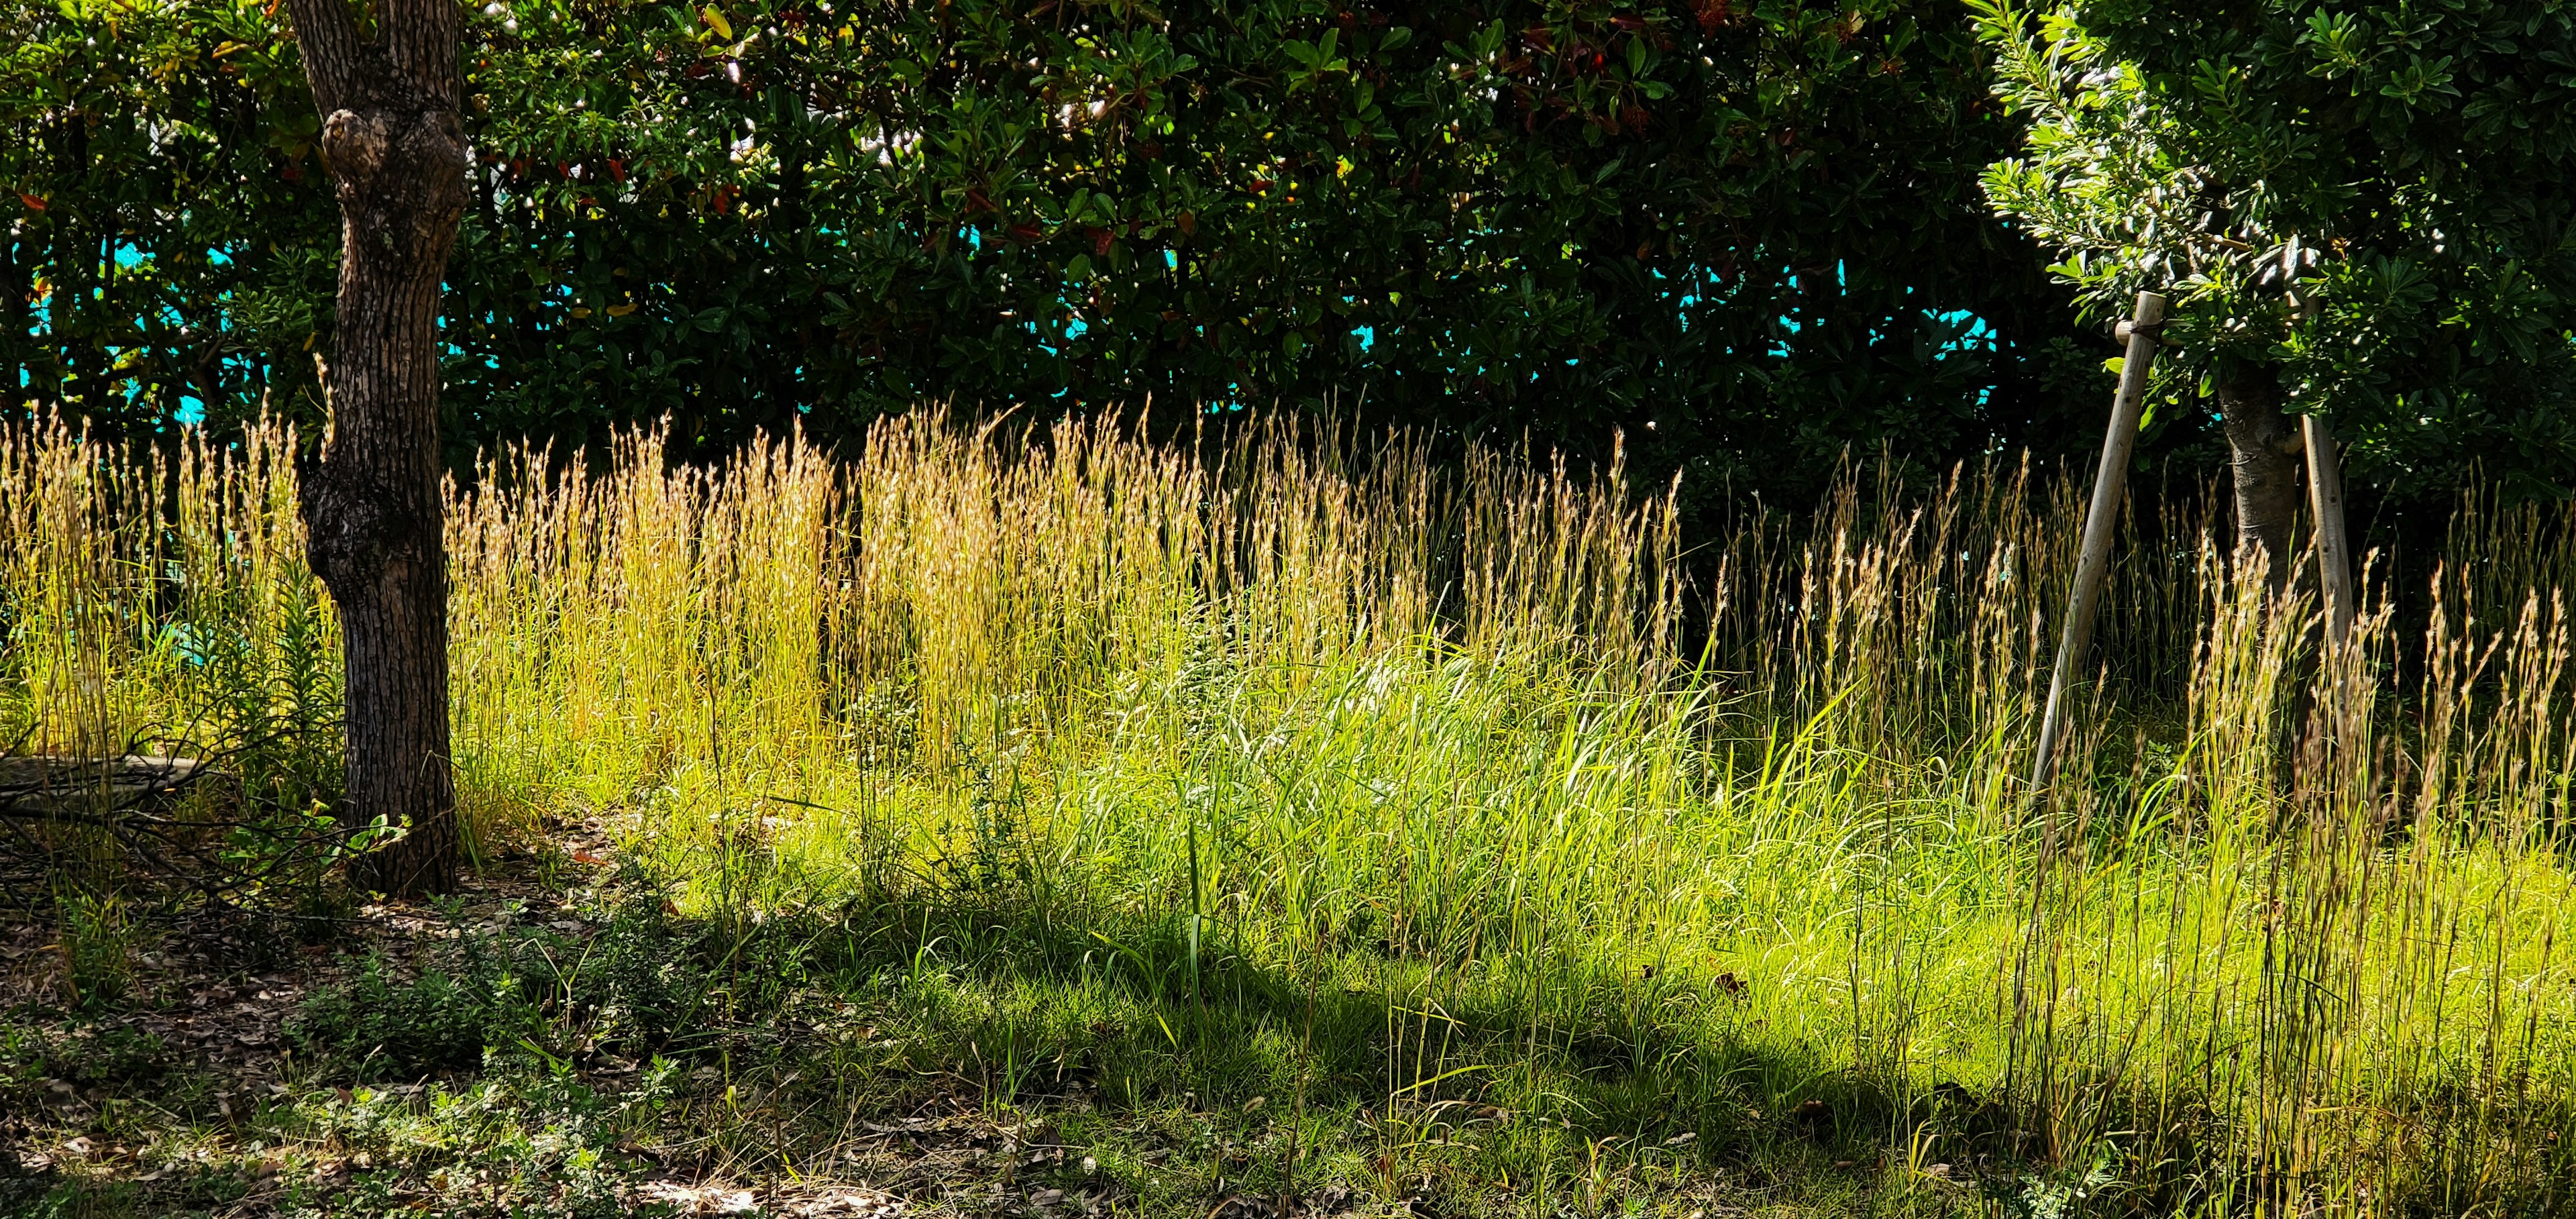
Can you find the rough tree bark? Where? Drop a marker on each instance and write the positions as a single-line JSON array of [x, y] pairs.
[[395, 147], [2264, 452]]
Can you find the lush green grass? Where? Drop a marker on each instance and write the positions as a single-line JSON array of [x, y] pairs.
[[1070, 780]]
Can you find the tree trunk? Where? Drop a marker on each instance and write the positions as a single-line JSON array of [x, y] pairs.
[[395, 148], [2264, 445]]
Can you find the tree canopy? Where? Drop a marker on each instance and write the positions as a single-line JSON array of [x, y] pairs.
[[2368, 203]]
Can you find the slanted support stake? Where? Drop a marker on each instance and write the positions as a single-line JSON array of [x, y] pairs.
[[2334, 546], [2101, 518]]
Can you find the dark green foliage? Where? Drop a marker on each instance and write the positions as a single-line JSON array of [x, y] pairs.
[[512, 989], [169, 236], [395, 1028], [2370, 201], [80, 1054], [1746, 235]]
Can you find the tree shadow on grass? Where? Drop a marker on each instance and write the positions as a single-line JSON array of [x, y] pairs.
[[1651, 1072], [1399, 1073]]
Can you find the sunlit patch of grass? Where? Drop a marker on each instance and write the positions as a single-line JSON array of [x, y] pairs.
[[1052, 775]]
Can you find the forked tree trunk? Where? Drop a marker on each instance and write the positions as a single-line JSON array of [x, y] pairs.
[[2263, 445], [395, 147]]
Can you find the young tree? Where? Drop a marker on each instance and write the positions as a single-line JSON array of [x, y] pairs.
[[395, 147], [2359, 210]]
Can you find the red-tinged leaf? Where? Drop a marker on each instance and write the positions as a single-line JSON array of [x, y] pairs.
[[33, 203], [587, 857], [1100, 239], [1028, 232]]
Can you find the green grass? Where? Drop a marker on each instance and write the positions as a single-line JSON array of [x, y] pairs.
[[1060, 782]]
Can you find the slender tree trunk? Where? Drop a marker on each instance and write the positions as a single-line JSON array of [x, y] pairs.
[[2264, 447], [395, 147]]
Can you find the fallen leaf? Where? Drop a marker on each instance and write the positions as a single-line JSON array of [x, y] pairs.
[[699, 1199], [838, 1203]]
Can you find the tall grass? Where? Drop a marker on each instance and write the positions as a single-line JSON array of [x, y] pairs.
[[160, 603], [2284, 940]]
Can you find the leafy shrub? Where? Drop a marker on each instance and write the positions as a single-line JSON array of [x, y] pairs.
[[436, 1021], [83, 1055], [641, 982], [628, 990], [1578, 222]]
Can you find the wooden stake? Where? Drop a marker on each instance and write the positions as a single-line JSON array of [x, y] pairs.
[[2334, 547], [2093, 565]]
